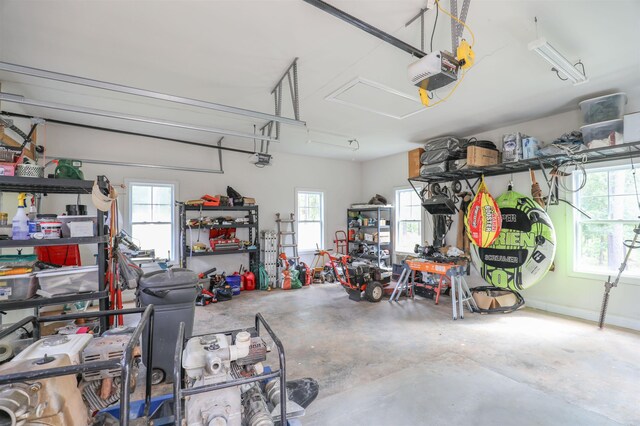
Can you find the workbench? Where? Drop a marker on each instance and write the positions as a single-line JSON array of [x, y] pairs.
[[460, 293]]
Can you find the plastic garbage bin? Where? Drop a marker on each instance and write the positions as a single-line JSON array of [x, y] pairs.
[[173, 293]]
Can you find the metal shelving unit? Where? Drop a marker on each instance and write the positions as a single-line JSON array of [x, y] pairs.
[[46, 186], [377, 213], [253, 227], [595, 155]]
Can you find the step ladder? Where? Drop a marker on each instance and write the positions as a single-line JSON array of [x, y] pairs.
[[283, 244], [269, 255]]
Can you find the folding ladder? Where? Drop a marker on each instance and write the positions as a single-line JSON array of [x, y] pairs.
[[269, 249], [283, 244]]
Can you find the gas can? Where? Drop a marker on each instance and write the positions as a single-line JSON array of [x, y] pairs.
[[249, 281]]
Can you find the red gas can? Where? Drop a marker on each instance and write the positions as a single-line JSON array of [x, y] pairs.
[[249, 281]]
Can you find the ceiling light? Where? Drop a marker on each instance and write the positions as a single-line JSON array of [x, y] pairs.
[[559, 62]]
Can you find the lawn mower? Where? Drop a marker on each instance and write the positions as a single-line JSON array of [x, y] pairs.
[[358, 277]]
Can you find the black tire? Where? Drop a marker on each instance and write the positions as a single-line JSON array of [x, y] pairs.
[[456, 187], [435, 189], [329, 278], [374, 292]]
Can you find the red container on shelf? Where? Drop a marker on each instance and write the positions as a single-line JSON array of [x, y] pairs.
[[68, 255]]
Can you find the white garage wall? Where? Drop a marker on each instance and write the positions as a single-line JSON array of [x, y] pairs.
[[273, 186], [560, 291]]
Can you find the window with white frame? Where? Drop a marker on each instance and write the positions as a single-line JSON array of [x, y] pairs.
[[609, 198], [310, 206], [151, 215], [408, 220]]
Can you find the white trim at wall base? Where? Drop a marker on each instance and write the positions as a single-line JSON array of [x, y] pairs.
[[619, 321]]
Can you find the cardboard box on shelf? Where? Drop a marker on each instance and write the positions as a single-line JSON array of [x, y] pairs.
[[478, 156], [414, 162], [7, 169], [384, 237]]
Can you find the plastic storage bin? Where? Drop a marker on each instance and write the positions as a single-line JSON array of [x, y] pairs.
[[603, 134], [14, 287], [603, 108], [68, 280], [78, 226], [173, 293], [234, 281]]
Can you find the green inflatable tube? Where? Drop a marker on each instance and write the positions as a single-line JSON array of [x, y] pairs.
[[524, 250]]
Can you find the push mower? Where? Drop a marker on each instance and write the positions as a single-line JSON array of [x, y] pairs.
[[358, 277]]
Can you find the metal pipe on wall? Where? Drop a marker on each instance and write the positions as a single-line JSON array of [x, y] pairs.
[[147, 166], [8, 97], [125, 132]]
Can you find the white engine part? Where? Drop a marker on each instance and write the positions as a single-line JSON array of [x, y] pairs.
[[434, 71], [55, 401], [211, 359], [71, 345]]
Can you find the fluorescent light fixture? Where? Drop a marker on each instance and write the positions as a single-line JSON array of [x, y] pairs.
[[335, 140], [557, 60], [9, 97]]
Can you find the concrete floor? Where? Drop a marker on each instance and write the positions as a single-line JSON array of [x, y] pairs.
[[409, 363]]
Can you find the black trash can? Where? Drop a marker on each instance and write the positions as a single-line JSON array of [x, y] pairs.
[[173, 293]]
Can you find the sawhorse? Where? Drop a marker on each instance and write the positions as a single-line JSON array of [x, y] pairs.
[[460, 293]]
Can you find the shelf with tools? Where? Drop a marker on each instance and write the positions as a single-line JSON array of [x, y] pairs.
[[185, 230], [594, 155], [358, 219], [219, 252], [46, 186]]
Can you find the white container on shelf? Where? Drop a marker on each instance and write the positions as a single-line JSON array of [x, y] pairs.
[[81, 230], [602, 134], [632, 127], [59, 344], [68, 280], [603, 108]]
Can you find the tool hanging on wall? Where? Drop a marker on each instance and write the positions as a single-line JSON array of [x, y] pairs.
[[630, 245], [536, 193], [608, 285]]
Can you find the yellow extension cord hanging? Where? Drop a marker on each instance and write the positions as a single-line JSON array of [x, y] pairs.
[[464, 54]]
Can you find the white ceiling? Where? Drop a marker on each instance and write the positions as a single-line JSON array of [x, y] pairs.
[[232, 52]]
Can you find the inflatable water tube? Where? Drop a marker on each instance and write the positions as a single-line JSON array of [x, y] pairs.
[[524, 250]]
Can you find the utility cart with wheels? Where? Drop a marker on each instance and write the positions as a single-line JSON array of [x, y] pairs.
[[359, 278]]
